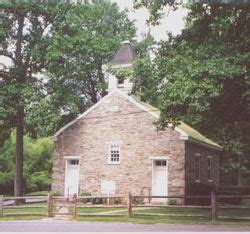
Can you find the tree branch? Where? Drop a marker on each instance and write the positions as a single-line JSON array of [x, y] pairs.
[[7, 54]]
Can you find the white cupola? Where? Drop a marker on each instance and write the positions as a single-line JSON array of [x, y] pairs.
[[122, 60]]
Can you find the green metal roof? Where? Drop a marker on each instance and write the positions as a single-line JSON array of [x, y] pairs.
[[197, 136], [191, 132]]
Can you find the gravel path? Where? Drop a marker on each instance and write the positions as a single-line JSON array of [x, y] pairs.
[[68, 226]]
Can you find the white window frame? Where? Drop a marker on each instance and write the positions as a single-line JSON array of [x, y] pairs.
[[109, 153]]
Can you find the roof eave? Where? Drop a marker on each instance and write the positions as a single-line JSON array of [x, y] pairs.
[[214, 147]]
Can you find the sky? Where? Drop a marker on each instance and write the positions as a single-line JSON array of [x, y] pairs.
[[173, 22]]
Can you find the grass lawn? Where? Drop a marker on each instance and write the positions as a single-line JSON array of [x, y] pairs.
[[192, 211], [31, 210], [168, 220], [186, 211], [36, 210], [98, 209], [170, 210], [22, 217], [137, 217], [36, 213]]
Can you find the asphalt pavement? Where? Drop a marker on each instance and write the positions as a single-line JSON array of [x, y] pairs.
[[70, 226]]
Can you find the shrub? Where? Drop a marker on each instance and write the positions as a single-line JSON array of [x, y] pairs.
[[172, 202], [85, 200], [137, 200], [38, 181], [37, 165]]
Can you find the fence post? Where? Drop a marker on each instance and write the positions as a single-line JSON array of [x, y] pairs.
[[49, 205], [129, 204], [1, 205], [213, 205], [75, 207]]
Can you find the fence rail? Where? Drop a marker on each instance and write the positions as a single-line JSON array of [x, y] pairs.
[[129, 206]]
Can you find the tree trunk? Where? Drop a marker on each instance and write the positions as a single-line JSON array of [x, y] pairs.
[[20, 75], [19, 152]]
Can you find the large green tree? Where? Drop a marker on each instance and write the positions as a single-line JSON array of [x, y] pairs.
[[56, 53], [83, 42], [24, 38], [201, 76]]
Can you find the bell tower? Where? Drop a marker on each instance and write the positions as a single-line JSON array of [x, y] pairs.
[[122, 61]]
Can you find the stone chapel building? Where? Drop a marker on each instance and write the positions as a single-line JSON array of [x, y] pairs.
[[114, 148]]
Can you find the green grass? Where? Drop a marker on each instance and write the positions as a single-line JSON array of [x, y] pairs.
[[169, 210], [192, 211], [21, 217], [25, 210], [98, 210], [234, 213], [136, 218], [37, 193], [35, 212], [41, 193], [167, 220]]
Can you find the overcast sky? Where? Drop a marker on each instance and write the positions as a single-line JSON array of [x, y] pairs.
[[172, 22]]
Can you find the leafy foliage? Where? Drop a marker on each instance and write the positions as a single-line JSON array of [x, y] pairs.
[[202, 77], [24, 38], [82, 43], [69, 43], [37, 164]]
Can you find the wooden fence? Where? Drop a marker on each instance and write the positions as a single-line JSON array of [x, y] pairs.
[[127, 205]]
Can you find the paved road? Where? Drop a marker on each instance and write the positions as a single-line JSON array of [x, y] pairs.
[[67, 226]]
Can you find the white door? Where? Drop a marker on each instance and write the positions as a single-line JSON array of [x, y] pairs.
[[160, 179], [71, 177]]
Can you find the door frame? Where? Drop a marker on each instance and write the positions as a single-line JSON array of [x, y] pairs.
[[156, 158], [67, 158]]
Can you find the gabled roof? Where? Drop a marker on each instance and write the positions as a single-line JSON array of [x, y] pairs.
[[125, 55], [193, 134], [186, 132]]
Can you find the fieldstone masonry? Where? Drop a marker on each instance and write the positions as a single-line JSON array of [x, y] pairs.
[[118, 120]]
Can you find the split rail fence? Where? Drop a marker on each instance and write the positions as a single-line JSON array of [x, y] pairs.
[[129, 207]]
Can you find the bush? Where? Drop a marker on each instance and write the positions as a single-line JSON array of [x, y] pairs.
[[38, 181], [85, 200], [172, 202], [37, 165], [117, 200], [138, 200], [99, 200]]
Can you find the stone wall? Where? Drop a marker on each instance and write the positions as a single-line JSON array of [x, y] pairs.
[[118, 120]]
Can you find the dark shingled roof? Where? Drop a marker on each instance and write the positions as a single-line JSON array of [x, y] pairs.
[[125, 54]]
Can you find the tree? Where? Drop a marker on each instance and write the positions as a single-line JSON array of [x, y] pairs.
[[37, 164], [72, 41], [24, 40], [83, 42], [202, 78]]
